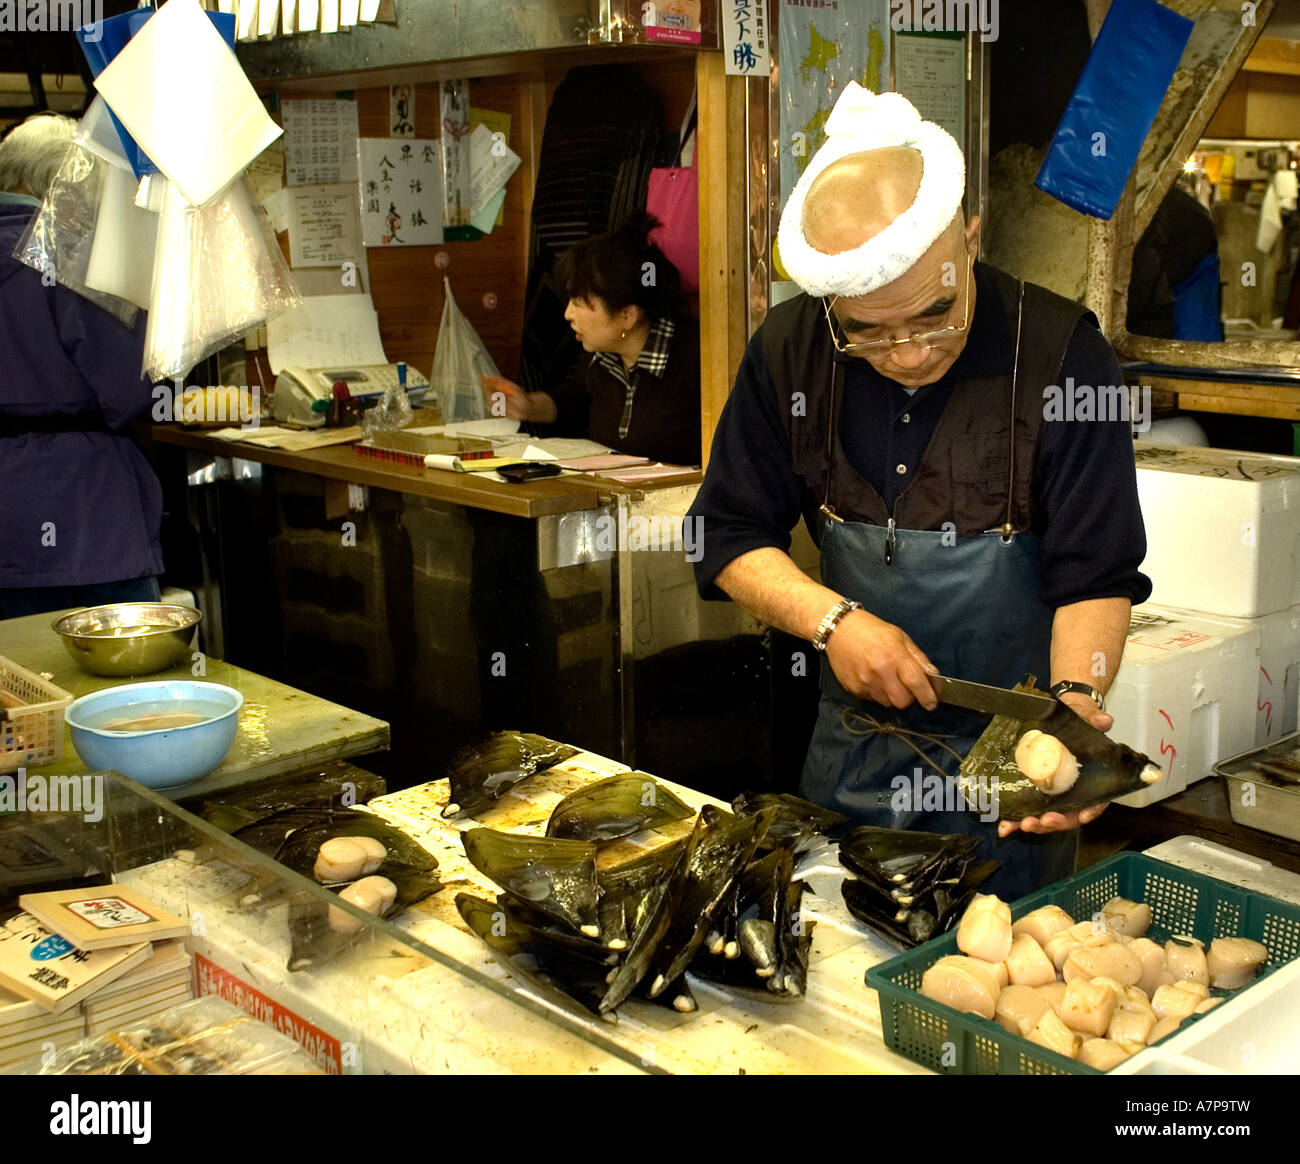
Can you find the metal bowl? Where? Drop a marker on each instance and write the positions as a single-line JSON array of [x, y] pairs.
[[128, 638]]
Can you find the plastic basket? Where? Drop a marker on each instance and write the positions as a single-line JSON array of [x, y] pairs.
[[32, 732], [1182, 902]]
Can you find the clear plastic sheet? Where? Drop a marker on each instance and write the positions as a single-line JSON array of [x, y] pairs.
[[218, 273], [60, 237], [206, 1036], [458, 361]]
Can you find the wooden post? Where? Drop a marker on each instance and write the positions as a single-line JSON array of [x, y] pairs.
[[720, 159]]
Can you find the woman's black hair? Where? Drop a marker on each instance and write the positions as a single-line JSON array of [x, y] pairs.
[[623, 268]]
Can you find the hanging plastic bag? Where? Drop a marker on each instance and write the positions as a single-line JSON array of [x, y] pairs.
[[393, 411], [218, 273], [59, 240], [458, 361]]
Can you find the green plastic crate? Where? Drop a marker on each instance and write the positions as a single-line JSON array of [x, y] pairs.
[[1182, 902]]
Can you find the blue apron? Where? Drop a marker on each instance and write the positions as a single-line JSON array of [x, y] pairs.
[[974, 606]]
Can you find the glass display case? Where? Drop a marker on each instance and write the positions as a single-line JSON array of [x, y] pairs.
[[418, 992]]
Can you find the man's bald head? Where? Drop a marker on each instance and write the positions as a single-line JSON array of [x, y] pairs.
[[855, 198]]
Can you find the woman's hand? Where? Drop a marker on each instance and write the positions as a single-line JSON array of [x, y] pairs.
[[531, 407], [874, 659], [1057, 822]]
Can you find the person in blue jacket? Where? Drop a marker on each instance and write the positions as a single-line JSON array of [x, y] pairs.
[[82, 508]]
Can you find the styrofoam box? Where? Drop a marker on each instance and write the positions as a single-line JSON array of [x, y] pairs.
[[1223, 528], [1185, 693], [1278, 708]]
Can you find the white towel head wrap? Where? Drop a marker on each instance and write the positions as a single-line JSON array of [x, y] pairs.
[[862, 121]]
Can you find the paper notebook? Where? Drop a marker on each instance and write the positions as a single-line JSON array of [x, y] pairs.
[[101, 916]]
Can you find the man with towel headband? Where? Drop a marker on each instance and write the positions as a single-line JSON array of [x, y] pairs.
[[879, 405]]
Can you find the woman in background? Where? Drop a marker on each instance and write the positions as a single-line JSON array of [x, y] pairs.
[[639, 389], [82, 507]]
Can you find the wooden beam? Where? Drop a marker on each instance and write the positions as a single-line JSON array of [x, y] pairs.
[[1272, 54], [720, 158]]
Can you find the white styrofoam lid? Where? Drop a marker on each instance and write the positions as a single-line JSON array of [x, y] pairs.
[[1227, 464]]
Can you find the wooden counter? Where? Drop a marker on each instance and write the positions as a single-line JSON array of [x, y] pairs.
[[340, 463], [281, 728]]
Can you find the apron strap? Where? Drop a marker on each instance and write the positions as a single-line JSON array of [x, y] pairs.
[[862, 723]]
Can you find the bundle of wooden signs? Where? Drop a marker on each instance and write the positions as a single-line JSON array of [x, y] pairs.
[[720, 902], [82, 961]]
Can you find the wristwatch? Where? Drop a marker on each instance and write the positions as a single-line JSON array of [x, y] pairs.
[[1056, 690], [831, 620]]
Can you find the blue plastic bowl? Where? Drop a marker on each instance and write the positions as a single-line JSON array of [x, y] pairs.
[[164, 757]]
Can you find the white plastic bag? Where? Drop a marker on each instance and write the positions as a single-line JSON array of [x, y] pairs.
[[458, 361]]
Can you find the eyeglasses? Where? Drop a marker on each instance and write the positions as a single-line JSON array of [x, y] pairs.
[[925, 339]]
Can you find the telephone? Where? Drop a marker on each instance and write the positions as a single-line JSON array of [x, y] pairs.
[[297, 388]]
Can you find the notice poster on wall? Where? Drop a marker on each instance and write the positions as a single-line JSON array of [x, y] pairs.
[[320, 141], [930, 71], [400, 184]]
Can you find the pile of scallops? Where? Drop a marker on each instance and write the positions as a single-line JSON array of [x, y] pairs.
[[1098, 990]]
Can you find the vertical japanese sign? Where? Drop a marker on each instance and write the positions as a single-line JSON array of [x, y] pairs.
[[745, 38], [401, 111], [400, 182]]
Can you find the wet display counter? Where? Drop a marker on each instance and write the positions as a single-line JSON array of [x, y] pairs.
[[450, 605], [280, 728], [420, 993]]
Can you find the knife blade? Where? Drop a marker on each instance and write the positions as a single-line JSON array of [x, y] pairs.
[[992, 700]]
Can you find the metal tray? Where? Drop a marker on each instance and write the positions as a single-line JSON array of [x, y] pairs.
[[1259, 800]]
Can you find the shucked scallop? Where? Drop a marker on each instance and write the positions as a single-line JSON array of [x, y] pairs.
[[1111, 961], [1046, 762], [1131, 1026], [1019, 1008], [1087, 1007], [1233, 962], [1102, 1054], [1059, 947], [961, 988], [985, 929], [1027, 965], [1170, 1002], [1054, 992], [1132, 919], [1052, 1033], [994, 973], [1185, 958], [340, 859], [1152, 957], [1042, 923]]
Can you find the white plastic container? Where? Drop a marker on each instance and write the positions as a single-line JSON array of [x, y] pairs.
[[1278, 707], [1185, 694], [1223, 528]]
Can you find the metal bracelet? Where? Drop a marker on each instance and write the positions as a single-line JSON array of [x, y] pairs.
[[831, 620]]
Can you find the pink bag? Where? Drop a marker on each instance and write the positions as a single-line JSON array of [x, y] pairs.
[[673, 198]]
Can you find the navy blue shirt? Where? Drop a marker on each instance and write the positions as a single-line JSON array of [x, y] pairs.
[[1084, 483], [80, 508]]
